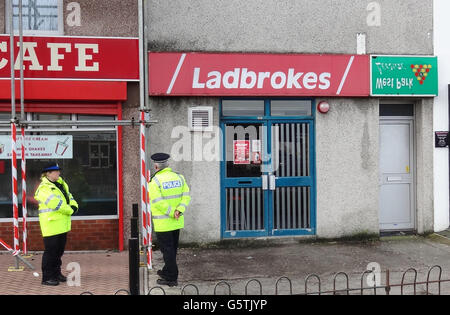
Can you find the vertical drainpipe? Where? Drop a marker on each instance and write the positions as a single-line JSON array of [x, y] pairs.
[[147, 131], [22, 106], [23, 119], [141, 55], [141, 105], [146, 67], [143, 135], [14, 185], [12, 63]]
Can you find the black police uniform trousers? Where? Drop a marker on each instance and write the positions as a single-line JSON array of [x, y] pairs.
[[168, 244], [51, 260]]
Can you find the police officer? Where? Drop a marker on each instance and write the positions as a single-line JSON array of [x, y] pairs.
[[169, 198], [56, 206]]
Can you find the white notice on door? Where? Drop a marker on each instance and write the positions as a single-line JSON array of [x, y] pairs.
[[256, 145]]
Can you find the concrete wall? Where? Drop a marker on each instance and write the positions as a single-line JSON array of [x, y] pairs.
[[171, 135], [424, 142], [2, 17], [347, 159], [117, 18], [317, 26], [347, 163]]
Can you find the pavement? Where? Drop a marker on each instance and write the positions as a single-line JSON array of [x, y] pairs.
[[268, 267], [99, 273]]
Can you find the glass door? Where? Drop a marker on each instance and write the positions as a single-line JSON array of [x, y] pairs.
[[268, 168], [245, 184]]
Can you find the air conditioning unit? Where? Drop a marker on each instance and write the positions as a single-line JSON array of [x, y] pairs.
[[201, 118]]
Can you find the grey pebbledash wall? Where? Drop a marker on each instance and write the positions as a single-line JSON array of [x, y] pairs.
[[291, 26]]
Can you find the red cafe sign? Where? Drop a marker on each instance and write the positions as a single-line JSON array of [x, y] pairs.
[[82, 58], [185, 74]]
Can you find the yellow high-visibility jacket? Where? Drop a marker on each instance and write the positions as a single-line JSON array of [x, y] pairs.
[[54, 211], [168, 191]]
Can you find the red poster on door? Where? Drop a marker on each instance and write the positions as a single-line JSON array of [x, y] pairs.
[[241, 152], [203, 74]]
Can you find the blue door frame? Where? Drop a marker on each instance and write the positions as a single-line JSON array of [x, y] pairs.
[[257, 182]]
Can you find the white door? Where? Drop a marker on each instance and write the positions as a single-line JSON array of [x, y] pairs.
[[397, 178]]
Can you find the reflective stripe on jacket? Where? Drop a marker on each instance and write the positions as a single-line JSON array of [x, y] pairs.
[[168, 191], [54, 211]]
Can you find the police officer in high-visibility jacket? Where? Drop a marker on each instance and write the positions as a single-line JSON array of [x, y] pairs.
[[169, 199], [56, 206]]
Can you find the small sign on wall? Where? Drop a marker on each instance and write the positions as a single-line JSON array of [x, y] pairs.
[[404, 76], [39, 147], [441, 139]]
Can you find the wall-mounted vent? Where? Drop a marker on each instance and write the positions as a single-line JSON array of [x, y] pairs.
[[201, 119]]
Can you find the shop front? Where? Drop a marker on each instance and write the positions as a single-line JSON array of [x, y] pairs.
[[70, 80], [302, 144]]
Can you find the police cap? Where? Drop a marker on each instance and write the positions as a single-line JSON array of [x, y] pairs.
[[51, 167], [160, 157]]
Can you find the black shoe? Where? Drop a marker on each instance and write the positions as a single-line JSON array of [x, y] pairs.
[[62, 278], [161, 274], [51, 282], [167, 282]]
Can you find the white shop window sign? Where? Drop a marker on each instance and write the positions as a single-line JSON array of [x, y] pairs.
[[39, 147]]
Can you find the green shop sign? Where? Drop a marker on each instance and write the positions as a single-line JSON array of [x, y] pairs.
[[404, 76]]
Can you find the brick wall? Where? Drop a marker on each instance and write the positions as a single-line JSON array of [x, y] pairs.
[[85, 235]]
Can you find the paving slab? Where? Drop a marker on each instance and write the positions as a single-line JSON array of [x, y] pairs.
[[100, 273]]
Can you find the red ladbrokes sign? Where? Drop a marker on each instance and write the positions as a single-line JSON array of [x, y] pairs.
[[79, 58], [184, 74]]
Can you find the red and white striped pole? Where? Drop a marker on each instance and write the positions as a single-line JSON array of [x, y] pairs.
[[144, 193], [24, 195], [13, 138], [14, 186], [16, 253], [8, 248]]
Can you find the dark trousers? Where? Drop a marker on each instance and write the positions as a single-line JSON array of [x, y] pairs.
[[168, 243], [51, 260]]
